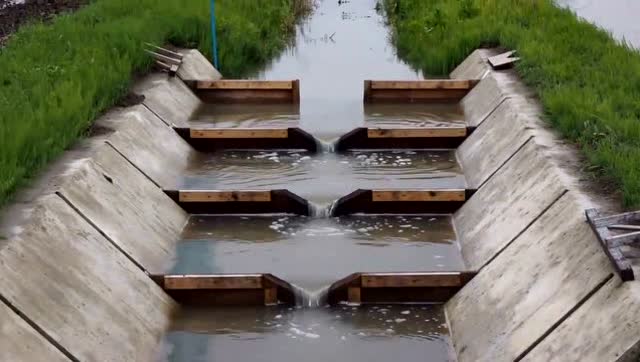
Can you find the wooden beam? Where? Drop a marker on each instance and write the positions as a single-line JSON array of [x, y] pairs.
[[413, 280], [622, 239], [624, 227], [417, 132], [354, 295], [224, 196], [271, 296], [246, 84], [627, 217], [190, 282], [239, 133], [417, 195], [423, 84]]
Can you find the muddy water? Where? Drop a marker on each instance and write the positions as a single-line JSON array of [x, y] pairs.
[[368, 334], [339, 47], [620, 17], [323, 178], [312, 253]]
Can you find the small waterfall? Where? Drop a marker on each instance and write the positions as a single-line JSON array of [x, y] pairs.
[[321, 210], [326, 146], [311, 299]]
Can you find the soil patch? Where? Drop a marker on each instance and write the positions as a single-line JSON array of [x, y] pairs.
[[14, 13]]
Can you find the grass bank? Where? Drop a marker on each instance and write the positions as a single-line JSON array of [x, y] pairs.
[[588, 83], [58, 77]]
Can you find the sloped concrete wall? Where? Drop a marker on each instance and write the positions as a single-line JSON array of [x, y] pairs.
[[169, 98], [545, 289], [196, 67], [150, 145], [75, 254], [482, 101], [491, 145], [506, 205], [605, 328], [529, 287], [128, 208], [20, 342], [78, 288]]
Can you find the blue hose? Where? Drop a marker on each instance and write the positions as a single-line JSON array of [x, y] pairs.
[[214, 36]]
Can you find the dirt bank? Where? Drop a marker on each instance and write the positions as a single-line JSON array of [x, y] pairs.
[[15, 13]]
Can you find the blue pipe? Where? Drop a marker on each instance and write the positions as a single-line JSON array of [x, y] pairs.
[[214, 34]]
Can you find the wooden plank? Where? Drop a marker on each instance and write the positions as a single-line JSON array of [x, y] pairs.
[[416, 132], [423, 84], [623, 239], [271, 296], [239, 281], [504, 60], [624, 227], [627, 217], [295, 91], [239, 133], [224, 196], [245, 84], [354, 295], [418, 195], [412, 280]]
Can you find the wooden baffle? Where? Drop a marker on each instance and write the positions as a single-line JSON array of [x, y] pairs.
[[247, 91], [405, 138], [227, 289], [429, 287], [398, 201], [240, 201], [214, 139], [425, 91]]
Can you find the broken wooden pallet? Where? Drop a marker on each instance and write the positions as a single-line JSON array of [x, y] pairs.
[[614, 232]]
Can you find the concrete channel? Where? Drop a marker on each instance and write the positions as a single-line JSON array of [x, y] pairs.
[[434, 220]]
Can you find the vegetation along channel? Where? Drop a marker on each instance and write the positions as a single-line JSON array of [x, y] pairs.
[[342, 180]]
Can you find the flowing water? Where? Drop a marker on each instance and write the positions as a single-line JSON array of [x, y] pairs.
[[337, 48], [312, 253], [368, 334], [324, 177]]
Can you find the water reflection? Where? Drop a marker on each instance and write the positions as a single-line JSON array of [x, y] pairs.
[[337, 48]]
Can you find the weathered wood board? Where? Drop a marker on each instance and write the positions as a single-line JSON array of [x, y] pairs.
[[430, 90], [238, 133], [214, 139], [248, 91]]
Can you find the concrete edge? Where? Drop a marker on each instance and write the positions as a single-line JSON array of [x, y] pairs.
[[565, 159]]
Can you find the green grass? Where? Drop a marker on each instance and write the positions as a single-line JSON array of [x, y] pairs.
[[588, 83], [58, 77]]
